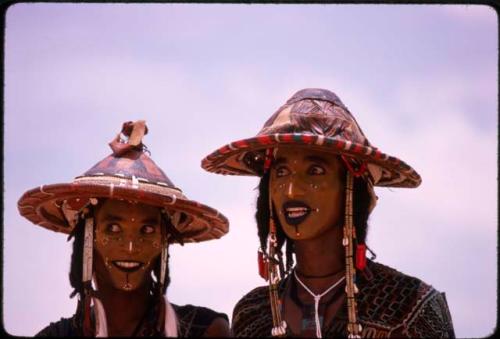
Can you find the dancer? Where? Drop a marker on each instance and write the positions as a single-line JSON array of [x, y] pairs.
[[316, 192], [123, 214]]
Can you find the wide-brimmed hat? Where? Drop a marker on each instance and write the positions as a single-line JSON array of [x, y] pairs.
[[127, 174], [316, 119]]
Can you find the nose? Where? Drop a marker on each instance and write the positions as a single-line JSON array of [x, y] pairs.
[[132, 246], [294, 188]]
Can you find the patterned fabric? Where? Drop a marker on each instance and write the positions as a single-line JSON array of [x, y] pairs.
[[193, 322], [390, 304], [313, 118]]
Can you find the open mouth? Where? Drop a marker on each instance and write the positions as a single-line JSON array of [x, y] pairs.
[[127, 266], [295, 211]]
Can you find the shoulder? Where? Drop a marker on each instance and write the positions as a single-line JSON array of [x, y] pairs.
[[197, 321], [251, 315], [399, 303], [65, 327], [256, 299], [431, 318]]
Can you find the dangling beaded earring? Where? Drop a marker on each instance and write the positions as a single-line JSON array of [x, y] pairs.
[[279, 325], [353, 327], [160, 323], [271, 263], [88, 249], [163, 268]]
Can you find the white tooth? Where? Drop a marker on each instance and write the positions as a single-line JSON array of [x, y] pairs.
[[295, 209], [295, 214], [127, 264]]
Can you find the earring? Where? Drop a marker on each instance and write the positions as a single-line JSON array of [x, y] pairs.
[[88, 250], [163, 267]]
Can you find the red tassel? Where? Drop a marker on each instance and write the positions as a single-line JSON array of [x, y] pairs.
[[268, 159], [360, 256], [356, 173], [263, 266]]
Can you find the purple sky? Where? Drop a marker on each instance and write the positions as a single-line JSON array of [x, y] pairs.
[[420, 80]]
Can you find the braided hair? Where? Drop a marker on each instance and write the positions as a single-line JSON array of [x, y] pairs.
[[361, 212]]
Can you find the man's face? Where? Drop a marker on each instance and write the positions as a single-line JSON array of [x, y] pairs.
[[307, 190], [128, 241]]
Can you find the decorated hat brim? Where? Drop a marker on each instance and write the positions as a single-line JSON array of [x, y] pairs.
[[42, 205], [246, 157]]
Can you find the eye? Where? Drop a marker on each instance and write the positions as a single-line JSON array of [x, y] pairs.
[[113, 228], [282, 171], [148, 229], [316, 170]]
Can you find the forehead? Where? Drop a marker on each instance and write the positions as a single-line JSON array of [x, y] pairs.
[[126, 208], [292, 154]]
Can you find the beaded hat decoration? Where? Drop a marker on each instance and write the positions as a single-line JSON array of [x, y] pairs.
[[129, 174], [313, 118]]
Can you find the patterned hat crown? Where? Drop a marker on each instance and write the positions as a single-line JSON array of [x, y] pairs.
[[315, 111], [132, 165]]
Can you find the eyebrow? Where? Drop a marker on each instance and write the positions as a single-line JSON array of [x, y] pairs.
[[112, 217], [150, 220], [147, 220], [312, 158], [280, 161], [317, 159]]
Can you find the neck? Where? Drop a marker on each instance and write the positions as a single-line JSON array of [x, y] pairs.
[[124, 309], [322, 257]]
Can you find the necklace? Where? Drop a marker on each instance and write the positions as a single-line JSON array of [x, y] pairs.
[[317, 298]]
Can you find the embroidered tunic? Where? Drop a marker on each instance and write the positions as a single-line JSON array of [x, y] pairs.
[[193, 322], [390, 304]]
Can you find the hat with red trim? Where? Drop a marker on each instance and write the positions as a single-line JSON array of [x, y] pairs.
[[127, 174], [317, 119]]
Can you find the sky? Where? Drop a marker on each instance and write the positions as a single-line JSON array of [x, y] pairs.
[[421, 81]]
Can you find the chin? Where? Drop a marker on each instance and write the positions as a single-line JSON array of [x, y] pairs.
[[305, 234], [128, 287]]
